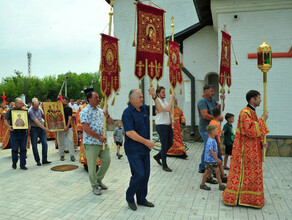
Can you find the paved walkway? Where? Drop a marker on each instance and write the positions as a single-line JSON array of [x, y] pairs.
[[40, 193]]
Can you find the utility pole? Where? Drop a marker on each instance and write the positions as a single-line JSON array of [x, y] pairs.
[[29, 55]]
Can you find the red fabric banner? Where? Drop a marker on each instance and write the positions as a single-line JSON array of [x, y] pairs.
[[225, 60], [150, 42], [175, 73], [109, 65]]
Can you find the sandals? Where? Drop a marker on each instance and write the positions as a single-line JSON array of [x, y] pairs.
[[211, 180]]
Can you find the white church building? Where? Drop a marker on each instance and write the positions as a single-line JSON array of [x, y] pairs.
[[198, 25]]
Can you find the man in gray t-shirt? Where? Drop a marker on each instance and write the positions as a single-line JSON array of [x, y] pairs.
[[205, 106]]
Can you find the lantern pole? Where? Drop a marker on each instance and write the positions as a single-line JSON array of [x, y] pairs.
[[264, 64], [172, 89], [105, 100]]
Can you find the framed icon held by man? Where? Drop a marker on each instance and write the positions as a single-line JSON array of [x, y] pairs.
[[54, 116], [19, 119]]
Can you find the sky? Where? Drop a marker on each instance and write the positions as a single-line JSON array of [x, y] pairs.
[[62, 35]]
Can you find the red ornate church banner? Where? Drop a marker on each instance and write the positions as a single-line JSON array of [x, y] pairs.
[[175, 73], [225, 61], [109, 65], [150, 42]]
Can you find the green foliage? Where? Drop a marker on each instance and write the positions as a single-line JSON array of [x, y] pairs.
[[49, 86]]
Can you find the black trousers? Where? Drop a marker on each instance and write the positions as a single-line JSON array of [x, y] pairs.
[[166, 139]]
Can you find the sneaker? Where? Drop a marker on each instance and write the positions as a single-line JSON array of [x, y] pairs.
[[62, 158], [14, 166], [102, 186], [120, 156], [204, 187], [96, 191], [222, 187], [72, 158], [23, 168]]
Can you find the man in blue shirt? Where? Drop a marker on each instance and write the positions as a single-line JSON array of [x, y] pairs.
[[205, 106], [92, 119], [137, 145]]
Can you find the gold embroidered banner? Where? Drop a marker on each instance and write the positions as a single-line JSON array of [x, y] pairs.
[[109, 65], [150, 42], [225, 61], [175, 73]]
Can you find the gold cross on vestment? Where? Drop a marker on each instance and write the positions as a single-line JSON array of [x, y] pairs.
[[115, 80]]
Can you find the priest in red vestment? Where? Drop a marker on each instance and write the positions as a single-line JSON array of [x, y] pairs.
[[245, 179]]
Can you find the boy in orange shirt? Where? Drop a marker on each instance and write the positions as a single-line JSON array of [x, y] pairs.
[[217, 117]]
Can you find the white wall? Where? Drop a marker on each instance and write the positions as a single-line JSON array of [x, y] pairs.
[[275, 23], [124, 12], [200, 58]]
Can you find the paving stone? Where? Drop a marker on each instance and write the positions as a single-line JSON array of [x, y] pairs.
[[40, 193]]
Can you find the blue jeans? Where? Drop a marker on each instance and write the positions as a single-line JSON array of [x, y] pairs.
[[140, 169], [36, 133], [166, 139], [18, 139], [205, 137]]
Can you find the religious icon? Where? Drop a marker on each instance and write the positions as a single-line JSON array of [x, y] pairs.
[[109, 57], [151, 33], [54, 116], [174, 58], [19, 119]]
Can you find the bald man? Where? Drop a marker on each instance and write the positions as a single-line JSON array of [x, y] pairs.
[[18, 137]]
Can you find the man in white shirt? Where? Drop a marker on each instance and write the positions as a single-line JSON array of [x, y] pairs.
[[164, 128]]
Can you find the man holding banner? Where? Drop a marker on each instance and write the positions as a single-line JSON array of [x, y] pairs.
[[138, 145]]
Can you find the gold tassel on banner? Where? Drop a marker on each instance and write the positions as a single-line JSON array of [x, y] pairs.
[[158, 85], [221, 90], [170, 91], [180, 91], [182, 65], [140, 85], [168, 62], [134, 43], [228, 90], [114, 99]]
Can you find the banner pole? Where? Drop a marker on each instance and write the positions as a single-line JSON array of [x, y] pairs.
[[105, 101], [151, 113], [172, 89], [265, 110]]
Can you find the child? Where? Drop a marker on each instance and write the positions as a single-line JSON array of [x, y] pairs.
[[228, 137], [119, 134], [216, 113], [211, 159]]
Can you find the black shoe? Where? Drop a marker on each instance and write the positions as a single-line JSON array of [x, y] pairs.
[[120, 156], [14, 166], [157, 160], [132, 206], [224, 180], [147, 204], [167, 169], [23, 168], [202, 171], [39, 163], [46, 162]]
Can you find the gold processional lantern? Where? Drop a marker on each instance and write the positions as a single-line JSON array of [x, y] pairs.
[[264, 55]]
